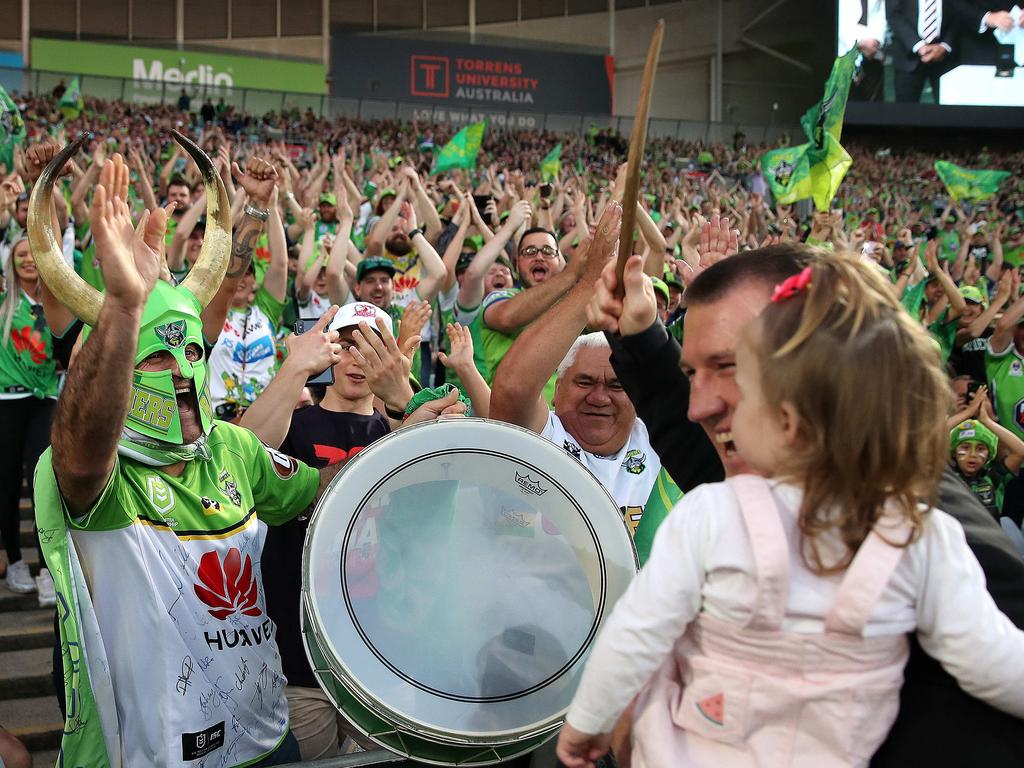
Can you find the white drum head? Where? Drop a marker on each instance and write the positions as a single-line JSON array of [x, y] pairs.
[[455, 576]]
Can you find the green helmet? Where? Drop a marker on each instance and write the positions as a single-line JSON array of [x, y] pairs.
[[972, 431]]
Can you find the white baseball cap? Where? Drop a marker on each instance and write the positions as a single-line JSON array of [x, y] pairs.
[[358, 312]]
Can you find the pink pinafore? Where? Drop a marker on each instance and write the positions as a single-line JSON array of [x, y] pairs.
[[739, 696]]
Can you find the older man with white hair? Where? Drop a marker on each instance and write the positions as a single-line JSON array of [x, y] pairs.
[[593, 419]]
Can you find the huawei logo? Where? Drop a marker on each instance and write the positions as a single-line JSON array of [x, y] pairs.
[[229, 589]]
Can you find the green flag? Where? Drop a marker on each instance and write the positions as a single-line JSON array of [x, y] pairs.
[[71, 102], [788, 173], [551, 165], [462, 150], [968, 184], [827, 115], [663, 497], [12, 129]]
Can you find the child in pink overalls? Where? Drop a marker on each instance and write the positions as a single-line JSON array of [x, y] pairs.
[[768, 628]]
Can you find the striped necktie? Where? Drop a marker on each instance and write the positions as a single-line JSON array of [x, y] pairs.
[[931, 20]]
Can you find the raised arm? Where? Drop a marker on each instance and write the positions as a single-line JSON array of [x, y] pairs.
[[258, 184], [426, 213], [276, 279], [179, 240], [379, 233], [92, 408], [957, 303], [308, 354], [433, 269], [337, 284], [471, 292], [517, 394]]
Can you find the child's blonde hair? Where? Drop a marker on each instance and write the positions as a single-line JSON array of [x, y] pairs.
[[868, 386]]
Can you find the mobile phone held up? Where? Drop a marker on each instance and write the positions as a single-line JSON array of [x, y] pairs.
[[324, 378]]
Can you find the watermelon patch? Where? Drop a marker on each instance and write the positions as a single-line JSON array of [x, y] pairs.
[[713, 708]]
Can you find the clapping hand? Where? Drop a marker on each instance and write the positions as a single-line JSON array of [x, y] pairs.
[[130, 257]]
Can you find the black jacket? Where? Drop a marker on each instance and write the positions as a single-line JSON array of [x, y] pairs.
[[901, 15], [939, 725]]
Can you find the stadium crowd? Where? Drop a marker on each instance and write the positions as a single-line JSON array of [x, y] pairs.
[[489, 279]]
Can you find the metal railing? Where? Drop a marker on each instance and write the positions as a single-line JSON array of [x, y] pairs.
[[260, 102]]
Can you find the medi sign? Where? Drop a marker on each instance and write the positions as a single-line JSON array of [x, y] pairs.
[[152, 66], [475, 77]]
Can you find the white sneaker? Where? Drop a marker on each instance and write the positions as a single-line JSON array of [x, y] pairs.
[[19, 579], [47, 593]]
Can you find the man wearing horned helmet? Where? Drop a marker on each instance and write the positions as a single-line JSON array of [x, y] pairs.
[[153, 516]]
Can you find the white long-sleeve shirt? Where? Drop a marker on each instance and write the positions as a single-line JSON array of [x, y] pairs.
[[702, 560]]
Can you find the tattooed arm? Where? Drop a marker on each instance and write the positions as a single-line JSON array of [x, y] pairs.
[[258, 181]]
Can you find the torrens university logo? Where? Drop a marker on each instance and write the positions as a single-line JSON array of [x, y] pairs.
[[429, 76], [229, 589]]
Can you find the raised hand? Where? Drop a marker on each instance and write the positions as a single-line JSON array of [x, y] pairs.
[[409, 214], [461, 355], [635, 312], [38, 156], [594, 252], [130, 257], [520, 213], [10, 189], [413, 319], [258, 180], [385, 362], [317, 349]]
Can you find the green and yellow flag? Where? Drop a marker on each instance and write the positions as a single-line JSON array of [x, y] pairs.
[[12, 129], [827, 115], [969, 184], [462, 150], [71, 104], [815, 169], [664, 496], [551, 165]]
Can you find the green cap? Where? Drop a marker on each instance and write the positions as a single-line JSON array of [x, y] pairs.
[[372, 263], [660, 287], [671, 278], [329, 198], [974, 295], [972, 431]]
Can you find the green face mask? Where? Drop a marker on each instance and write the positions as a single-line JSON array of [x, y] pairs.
[[170, 323]]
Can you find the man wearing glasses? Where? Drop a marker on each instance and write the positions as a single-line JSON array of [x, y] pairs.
[[543, 280]]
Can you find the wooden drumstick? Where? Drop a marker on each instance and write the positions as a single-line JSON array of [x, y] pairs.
[[637, 140]]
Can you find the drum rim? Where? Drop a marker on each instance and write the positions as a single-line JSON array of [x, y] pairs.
[[346, 677]]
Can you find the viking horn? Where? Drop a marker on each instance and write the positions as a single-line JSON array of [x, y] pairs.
[[72, 291], [205, 276], [82, 299]]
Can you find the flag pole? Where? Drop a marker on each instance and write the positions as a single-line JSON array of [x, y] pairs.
[[637, 140]]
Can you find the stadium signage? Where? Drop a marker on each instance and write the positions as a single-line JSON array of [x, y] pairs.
[[148, 67], [471, 78]]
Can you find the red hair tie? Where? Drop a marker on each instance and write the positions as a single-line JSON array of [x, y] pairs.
[[792, 285]]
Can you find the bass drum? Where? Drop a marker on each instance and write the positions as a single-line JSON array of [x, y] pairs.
[[454, 577]]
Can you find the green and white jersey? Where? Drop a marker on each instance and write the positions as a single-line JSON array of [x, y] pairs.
[[27, 366], [496, 343], [1005, 373], [628, 475], [181, 658]]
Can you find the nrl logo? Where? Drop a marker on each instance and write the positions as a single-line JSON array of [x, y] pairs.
[[783, 172], [171, 334], [530, 486]]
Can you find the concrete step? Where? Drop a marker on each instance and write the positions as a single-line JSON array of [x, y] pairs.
[[36, 721], [25, 674], [11, 601], [27, 533], [26, 630]]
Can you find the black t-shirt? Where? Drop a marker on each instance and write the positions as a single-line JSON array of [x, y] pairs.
[[969, 359], [319, 438]]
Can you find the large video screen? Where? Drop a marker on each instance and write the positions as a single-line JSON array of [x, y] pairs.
[[951, 60]]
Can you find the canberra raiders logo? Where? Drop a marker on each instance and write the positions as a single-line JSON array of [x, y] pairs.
[[783, 172], [171, 334]]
